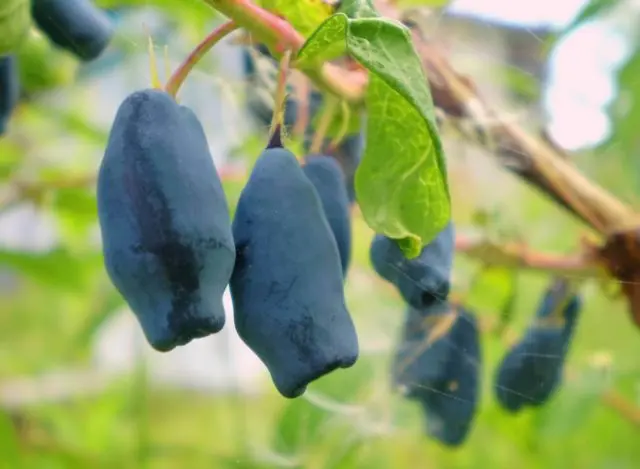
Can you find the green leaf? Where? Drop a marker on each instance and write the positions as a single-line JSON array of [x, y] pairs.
[[358, 9], [56, 268], [304, 15], [103, 310], [591, 10], [328, 42], [401, 183], [297, 426], [15, 21], [75, 210], [43, 66]]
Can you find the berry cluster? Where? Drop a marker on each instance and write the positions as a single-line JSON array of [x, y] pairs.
[[171, 250], [438, 359]]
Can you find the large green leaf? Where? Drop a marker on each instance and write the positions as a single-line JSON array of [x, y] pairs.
[[401, 183]]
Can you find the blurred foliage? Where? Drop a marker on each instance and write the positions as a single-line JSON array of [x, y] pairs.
[[55, 297]]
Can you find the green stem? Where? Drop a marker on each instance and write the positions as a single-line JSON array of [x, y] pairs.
[[323, 125], [179, 76], [344, 126], [281, 94], [267, 27]]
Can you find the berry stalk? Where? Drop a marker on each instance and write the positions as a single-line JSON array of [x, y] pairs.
[[281, 96], [179, 76]]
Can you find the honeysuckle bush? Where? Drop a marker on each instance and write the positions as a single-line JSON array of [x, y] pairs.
[[350, 419]]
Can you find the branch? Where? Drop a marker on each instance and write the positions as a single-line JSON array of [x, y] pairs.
[[279, 36], [622, 406], [179, 76], [519, 256], [533, 159]]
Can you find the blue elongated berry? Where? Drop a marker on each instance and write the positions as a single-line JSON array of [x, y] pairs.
[[287, 285], [165, 224], [424, 348], [531, 372], [446, 380], [9, 89], [75, 25], [325, 174], [421, 280]]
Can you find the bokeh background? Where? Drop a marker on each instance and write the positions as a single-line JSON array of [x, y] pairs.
[[79, 387]]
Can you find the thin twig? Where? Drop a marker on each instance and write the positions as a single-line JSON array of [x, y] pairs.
[[621, 405], [173, 85], [280, 100], [517, 255], [323, 126], [344, 126], [279, 35]]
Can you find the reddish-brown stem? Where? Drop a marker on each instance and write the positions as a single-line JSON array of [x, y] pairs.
[[520, 256], [279, 35], [180, 75]]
